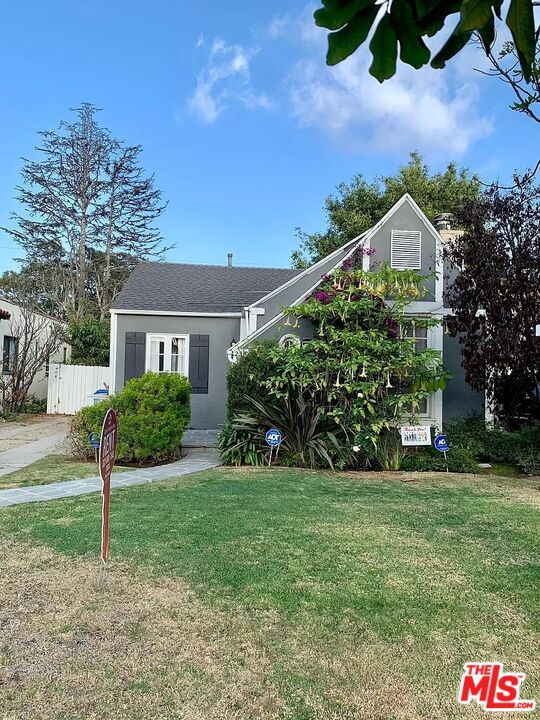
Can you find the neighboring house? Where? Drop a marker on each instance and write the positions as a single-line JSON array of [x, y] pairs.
[[194, 319], [10, 325]]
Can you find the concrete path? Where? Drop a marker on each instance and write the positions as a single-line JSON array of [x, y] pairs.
[[196, 461], [24, 455]]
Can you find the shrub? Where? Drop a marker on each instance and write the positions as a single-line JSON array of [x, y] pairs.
[[242, 447], [246, 378], [34, 406], [388, 452], [528, 460], [493, 444], [468, 434], [153, 412], [460, 460], [309, 439]]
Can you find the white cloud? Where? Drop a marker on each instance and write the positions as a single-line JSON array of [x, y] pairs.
[[224, 80], [200, 41], [436, 112]]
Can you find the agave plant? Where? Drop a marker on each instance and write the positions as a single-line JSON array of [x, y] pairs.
[[307, 435]]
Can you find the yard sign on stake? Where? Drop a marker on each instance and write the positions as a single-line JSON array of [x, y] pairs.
[[107, 456], [273, 439]]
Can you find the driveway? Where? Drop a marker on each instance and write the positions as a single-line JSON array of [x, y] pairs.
[[23, 443]]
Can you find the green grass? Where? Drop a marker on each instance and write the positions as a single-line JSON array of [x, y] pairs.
[[350, 581], [50, 469], [502, 470]]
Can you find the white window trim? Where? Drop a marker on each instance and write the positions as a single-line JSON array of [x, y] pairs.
[[395, 235], [167, 338]]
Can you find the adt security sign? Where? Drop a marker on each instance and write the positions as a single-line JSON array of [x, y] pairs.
[[93, 439], [441, 443], [273, 437]]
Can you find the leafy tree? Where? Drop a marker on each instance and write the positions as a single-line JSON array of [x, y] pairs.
[[408, 22], [495, 295], [90, 340], [359, 205], [505, 66], [89, 214]]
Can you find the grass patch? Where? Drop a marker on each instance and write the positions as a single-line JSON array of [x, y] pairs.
[[50, 469], [502, 470], [277, 594]]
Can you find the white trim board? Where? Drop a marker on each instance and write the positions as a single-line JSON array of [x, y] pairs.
[[112, 352], [171, 313]]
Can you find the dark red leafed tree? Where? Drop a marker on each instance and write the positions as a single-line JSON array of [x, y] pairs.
[[496, 296]]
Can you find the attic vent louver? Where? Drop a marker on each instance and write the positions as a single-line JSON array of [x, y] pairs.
[[406, 249]]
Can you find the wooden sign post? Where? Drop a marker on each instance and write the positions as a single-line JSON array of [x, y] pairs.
[[107, 456]]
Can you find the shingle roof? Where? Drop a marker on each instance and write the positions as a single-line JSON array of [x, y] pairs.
[[176, 287]]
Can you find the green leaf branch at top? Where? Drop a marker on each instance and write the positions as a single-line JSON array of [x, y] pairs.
[[407, 22]]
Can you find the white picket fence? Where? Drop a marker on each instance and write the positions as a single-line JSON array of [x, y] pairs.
[[71, 387]]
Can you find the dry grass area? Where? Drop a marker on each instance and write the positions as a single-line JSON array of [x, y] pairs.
[[270, 594], [74, 649], [132, 649]]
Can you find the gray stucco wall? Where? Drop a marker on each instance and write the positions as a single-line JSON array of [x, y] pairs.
[[289, 294], [405, 219], [207, 410], [459, 400]]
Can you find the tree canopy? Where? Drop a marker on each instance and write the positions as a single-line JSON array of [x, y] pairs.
[[357, 206], [495, 296], [408, 22], [87, 216]]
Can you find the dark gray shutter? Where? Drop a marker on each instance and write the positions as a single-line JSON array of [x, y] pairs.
[[199, 346], [135, 360]]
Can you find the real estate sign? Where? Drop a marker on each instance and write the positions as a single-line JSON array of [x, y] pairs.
[[107, 456], [415, 435]]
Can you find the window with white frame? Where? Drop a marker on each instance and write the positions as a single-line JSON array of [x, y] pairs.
[[167, 353], [406, 249], [420, 336]]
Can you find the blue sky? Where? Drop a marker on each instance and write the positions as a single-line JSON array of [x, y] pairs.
[[243, 126]]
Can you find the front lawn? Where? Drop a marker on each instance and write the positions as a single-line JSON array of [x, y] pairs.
[[50, 469], [270, 594]]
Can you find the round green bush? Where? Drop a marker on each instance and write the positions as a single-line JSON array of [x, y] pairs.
[[153, 413]]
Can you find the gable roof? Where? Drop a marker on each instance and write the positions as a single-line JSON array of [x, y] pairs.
[[362, 240], [180, 287]]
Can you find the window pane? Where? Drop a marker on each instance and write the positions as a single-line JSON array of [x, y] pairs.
[[157, 355], [10, 353], [420, 344], [178, 355]]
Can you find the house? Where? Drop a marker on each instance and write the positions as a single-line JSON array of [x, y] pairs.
[[194, 319], [16, 322]]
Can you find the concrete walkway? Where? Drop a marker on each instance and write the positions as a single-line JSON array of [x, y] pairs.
[[24, 455], [196, 461]]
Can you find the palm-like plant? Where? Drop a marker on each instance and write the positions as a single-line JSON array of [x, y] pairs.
[[306, 434]]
